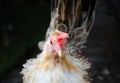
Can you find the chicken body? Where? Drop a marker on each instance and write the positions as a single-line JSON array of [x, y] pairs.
[[47, 68], [60, 60]]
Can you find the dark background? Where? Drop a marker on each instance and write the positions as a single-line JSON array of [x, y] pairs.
[[23, 24]]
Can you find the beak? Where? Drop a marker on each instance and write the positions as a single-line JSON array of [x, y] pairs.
[[59, 53]]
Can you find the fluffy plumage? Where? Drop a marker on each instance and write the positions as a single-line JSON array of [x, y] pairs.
[[59, 62]]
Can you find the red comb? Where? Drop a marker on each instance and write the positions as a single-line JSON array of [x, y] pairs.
[[63, 35]]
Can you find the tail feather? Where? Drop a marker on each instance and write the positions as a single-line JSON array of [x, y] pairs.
[[75, 17]]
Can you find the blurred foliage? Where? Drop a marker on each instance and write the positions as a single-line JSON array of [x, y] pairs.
[[22, 26]]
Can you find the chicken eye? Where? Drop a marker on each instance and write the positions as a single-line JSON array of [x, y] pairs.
[[51, 42]]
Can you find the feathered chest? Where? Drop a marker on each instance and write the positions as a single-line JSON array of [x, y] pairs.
[[52, 70]]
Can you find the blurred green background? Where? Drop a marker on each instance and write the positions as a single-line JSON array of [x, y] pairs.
[[22, 25]]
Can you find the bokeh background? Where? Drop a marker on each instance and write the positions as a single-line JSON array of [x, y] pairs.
[[23, 24]]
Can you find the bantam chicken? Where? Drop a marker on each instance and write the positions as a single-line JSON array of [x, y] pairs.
[[61, 60]]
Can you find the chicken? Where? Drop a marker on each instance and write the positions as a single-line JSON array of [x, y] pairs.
[[61, 60]]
